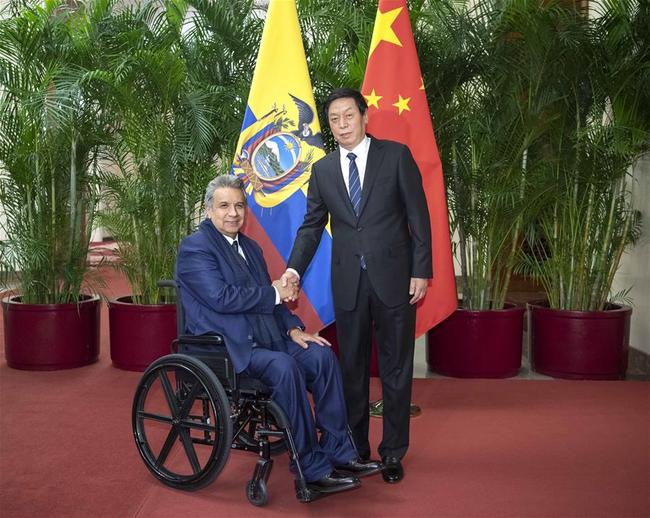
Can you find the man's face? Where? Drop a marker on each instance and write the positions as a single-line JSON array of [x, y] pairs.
[[346, 122], [228, 210]]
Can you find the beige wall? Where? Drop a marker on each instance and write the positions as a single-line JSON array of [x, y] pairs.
[[634, 270]]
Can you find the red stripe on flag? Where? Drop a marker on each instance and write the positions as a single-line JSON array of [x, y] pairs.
[[302, 307]]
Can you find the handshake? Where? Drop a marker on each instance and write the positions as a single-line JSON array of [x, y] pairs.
[[288, 286]]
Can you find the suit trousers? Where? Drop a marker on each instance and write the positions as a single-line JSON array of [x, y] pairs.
[[290, 374], [394, 329]]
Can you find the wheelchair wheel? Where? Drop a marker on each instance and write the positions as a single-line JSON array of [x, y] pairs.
[[247, 435], [257, 493], [181, 422]]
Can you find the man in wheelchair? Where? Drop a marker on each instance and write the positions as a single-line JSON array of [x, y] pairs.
[[226, 288]]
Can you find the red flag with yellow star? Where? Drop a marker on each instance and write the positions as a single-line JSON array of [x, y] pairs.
[[398, 110]]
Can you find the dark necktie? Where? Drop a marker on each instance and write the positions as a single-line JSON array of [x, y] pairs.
[[235, 248], [354, 184], [355, 192]]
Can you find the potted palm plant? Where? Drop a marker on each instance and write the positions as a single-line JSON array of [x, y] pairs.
[[587, 222], [51, 136], [165, 143], [484, 72]]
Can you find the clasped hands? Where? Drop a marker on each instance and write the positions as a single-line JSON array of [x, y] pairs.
[[288, 286]]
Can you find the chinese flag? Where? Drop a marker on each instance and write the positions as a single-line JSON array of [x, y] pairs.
[[398, 110]]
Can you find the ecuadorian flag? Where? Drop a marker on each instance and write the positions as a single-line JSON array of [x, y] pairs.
[[280, 140]]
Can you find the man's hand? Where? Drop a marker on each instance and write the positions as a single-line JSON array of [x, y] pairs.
[[289, 280], [303, 339], [289, 277], [418, 289], [288, 291]]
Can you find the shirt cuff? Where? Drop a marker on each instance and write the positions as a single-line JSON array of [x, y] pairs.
[[277, 296]]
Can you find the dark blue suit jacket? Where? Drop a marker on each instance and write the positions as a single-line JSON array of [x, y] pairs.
[[220, 295]]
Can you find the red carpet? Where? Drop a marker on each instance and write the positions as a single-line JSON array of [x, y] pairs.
[[503, 448]]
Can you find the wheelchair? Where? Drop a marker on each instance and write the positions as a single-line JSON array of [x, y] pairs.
[[191, 408]]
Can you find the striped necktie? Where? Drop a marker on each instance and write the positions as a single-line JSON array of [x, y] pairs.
[[354, 184], [355, 193]]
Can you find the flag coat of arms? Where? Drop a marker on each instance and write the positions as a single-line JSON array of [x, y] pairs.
[[398, 110], [279, 141]]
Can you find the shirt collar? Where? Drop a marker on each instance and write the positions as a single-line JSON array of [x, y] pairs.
[[361, 149], [231, 240]]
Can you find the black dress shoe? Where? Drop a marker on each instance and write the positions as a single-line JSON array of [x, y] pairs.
[[361, 468], [393, 471], [334, 482]]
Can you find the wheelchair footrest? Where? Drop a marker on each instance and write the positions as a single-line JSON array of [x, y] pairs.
[[304, 494]]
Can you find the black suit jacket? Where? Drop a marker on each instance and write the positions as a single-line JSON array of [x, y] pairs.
[[392, 231]]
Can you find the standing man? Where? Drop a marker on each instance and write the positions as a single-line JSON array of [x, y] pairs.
[[381, 260]]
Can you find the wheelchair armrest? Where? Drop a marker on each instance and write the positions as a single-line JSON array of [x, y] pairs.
[[206, 340]]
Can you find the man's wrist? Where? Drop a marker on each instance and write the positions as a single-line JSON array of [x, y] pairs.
[[299, 328]]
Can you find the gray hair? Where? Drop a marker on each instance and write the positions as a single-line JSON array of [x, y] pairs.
[[224, 181]]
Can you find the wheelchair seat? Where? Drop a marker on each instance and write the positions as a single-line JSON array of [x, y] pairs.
[[191, 408]]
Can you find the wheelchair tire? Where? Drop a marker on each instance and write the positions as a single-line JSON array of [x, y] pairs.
[[181, 422], [257, 493], [276, 445]]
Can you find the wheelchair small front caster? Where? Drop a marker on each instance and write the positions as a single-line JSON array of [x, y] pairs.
[[257, 493]]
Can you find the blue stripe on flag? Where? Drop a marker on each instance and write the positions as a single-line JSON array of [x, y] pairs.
[[316, 283], [249, 118]]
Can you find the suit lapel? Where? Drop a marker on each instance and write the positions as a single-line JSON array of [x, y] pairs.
[[375, 158], [255, 266], [335, 166], [224, 248]]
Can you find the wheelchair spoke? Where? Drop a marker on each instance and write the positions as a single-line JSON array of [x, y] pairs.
[[189, 449], [155, 417], [167, 447], [189, 401], [195, 425], [170, 396]]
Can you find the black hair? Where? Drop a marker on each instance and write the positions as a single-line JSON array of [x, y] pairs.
[[341, 93]]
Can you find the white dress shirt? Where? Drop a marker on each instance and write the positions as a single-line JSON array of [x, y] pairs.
[[361, 151]]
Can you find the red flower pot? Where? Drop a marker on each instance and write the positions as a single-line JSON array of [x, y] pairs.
[[45, 337], [477, 344], [329, 333], [139, 333], [580, 344]]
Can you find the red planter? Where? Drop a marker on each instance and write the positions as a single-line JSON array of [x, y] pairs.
[[329, 333], [580, 344], [46, 337], [477, 344], [139, 333]]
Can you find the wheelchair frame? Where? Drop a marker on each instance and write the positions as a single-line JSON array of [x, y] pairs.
[[201, 402]]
